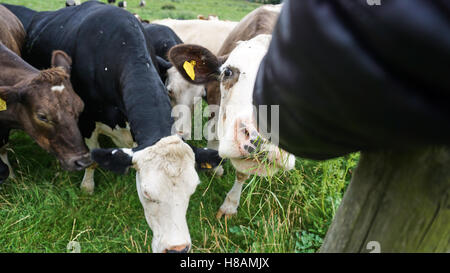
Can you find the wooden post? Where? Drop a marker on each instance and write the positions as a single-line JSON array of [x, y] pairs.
[[397, 201]]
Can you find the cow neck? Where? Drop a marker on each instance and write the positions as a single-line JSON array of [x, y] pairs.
[[146, 103]]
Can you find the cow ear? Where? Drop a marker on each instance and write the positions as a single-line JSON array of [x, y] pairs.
[[196, 63], [206, 158], [61, 59], [10, 94], [115, 160], [163, 64]]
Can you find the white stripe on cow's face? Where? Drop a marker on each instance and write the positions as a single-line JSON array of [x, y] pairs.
[[58, 88], [128, 152]]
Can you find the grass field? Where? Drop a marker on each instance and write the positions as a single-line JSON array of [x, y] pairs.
[[43, 209]]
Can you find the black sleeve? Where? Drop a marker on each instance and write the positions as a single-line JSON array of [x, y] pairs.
[[350, 76]]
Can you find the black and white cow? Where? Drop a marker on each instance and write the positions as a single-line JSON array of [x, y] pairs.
[[113, 71]]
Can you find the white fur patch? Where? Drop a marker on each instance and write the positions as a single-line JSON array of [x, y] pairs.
[[128, 152], [58, 88]]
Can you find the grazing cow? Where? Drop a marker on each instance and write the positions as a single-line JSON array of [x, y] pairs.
[[142, 3], [259, 22], [210, 34], [42, 103], [114, 72], [181, 92]]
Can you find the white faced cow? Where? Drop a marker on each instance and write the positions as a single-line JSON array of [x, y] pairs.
[[239, 139]]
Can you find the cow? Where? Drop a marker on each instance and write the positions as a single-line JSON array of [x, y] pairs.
[[41, 103], [210, 34], [122, 4], [12, 33], [114, 72], [210, 17], [238, 136], [181, 92]]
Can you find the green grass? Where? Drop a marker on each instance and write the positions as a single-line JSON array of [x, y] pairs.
[[233, 10], [43, 209]]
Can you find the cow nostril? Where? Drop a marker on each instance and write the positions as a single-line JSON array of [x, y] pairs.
[[246, 133]]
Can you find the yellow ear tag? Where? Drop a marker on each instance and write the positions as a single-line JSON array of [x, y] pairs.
[[206, 165], [189, 68], [2, 105]]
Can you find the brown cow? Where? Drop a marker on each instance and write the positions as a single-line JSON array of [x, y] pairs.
[[42, 103], [12, 34]]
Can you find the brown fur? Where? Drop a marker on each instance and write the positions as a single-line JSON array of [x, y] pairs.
[[49, 117], [12, 33], [228, 83], [206, 62], [55, 76]]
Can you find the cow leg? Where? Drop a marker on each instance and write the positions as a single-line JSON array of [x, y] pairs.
[[6, 172], [231, 203], [5, 160], [214, 144], [88, 183]]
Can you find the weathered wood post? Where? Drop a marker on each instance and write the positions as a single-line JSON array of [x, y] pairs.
[[398, 201]]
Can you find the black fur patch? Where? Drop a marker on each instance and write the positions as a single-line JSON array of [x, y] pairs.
[[4, 172], [114, 160], [206, 158]]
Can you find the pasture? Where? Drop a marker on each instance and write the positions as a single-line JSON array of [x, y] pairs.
[[43, 209]]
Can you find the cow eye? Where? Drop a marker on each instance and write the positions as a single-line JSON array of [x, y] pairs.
[[43, 118], [228, 72]]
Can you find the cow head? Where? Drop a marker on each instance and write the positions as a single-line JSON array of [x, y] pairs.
[[46, 107], [165, 180], [183, 93], [239, 138]]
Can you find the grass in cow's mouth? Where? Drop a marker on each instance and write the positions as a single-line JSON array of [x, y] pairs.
[[43, 209]]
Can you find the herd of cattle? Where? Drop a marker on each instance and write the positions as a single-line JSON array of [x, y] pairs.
[[104, 72]]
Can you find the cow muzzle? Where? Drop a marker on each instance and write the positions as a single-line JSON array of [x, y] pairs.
[[248, 139], [178, 249], [78, 163]]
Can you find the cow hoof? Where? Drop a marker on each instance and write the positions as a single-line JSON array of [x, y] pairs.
[[87, 190], [227, 214]]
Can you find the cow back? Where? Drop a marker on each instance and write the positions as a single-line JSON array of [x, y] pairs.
[[12, 33]]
